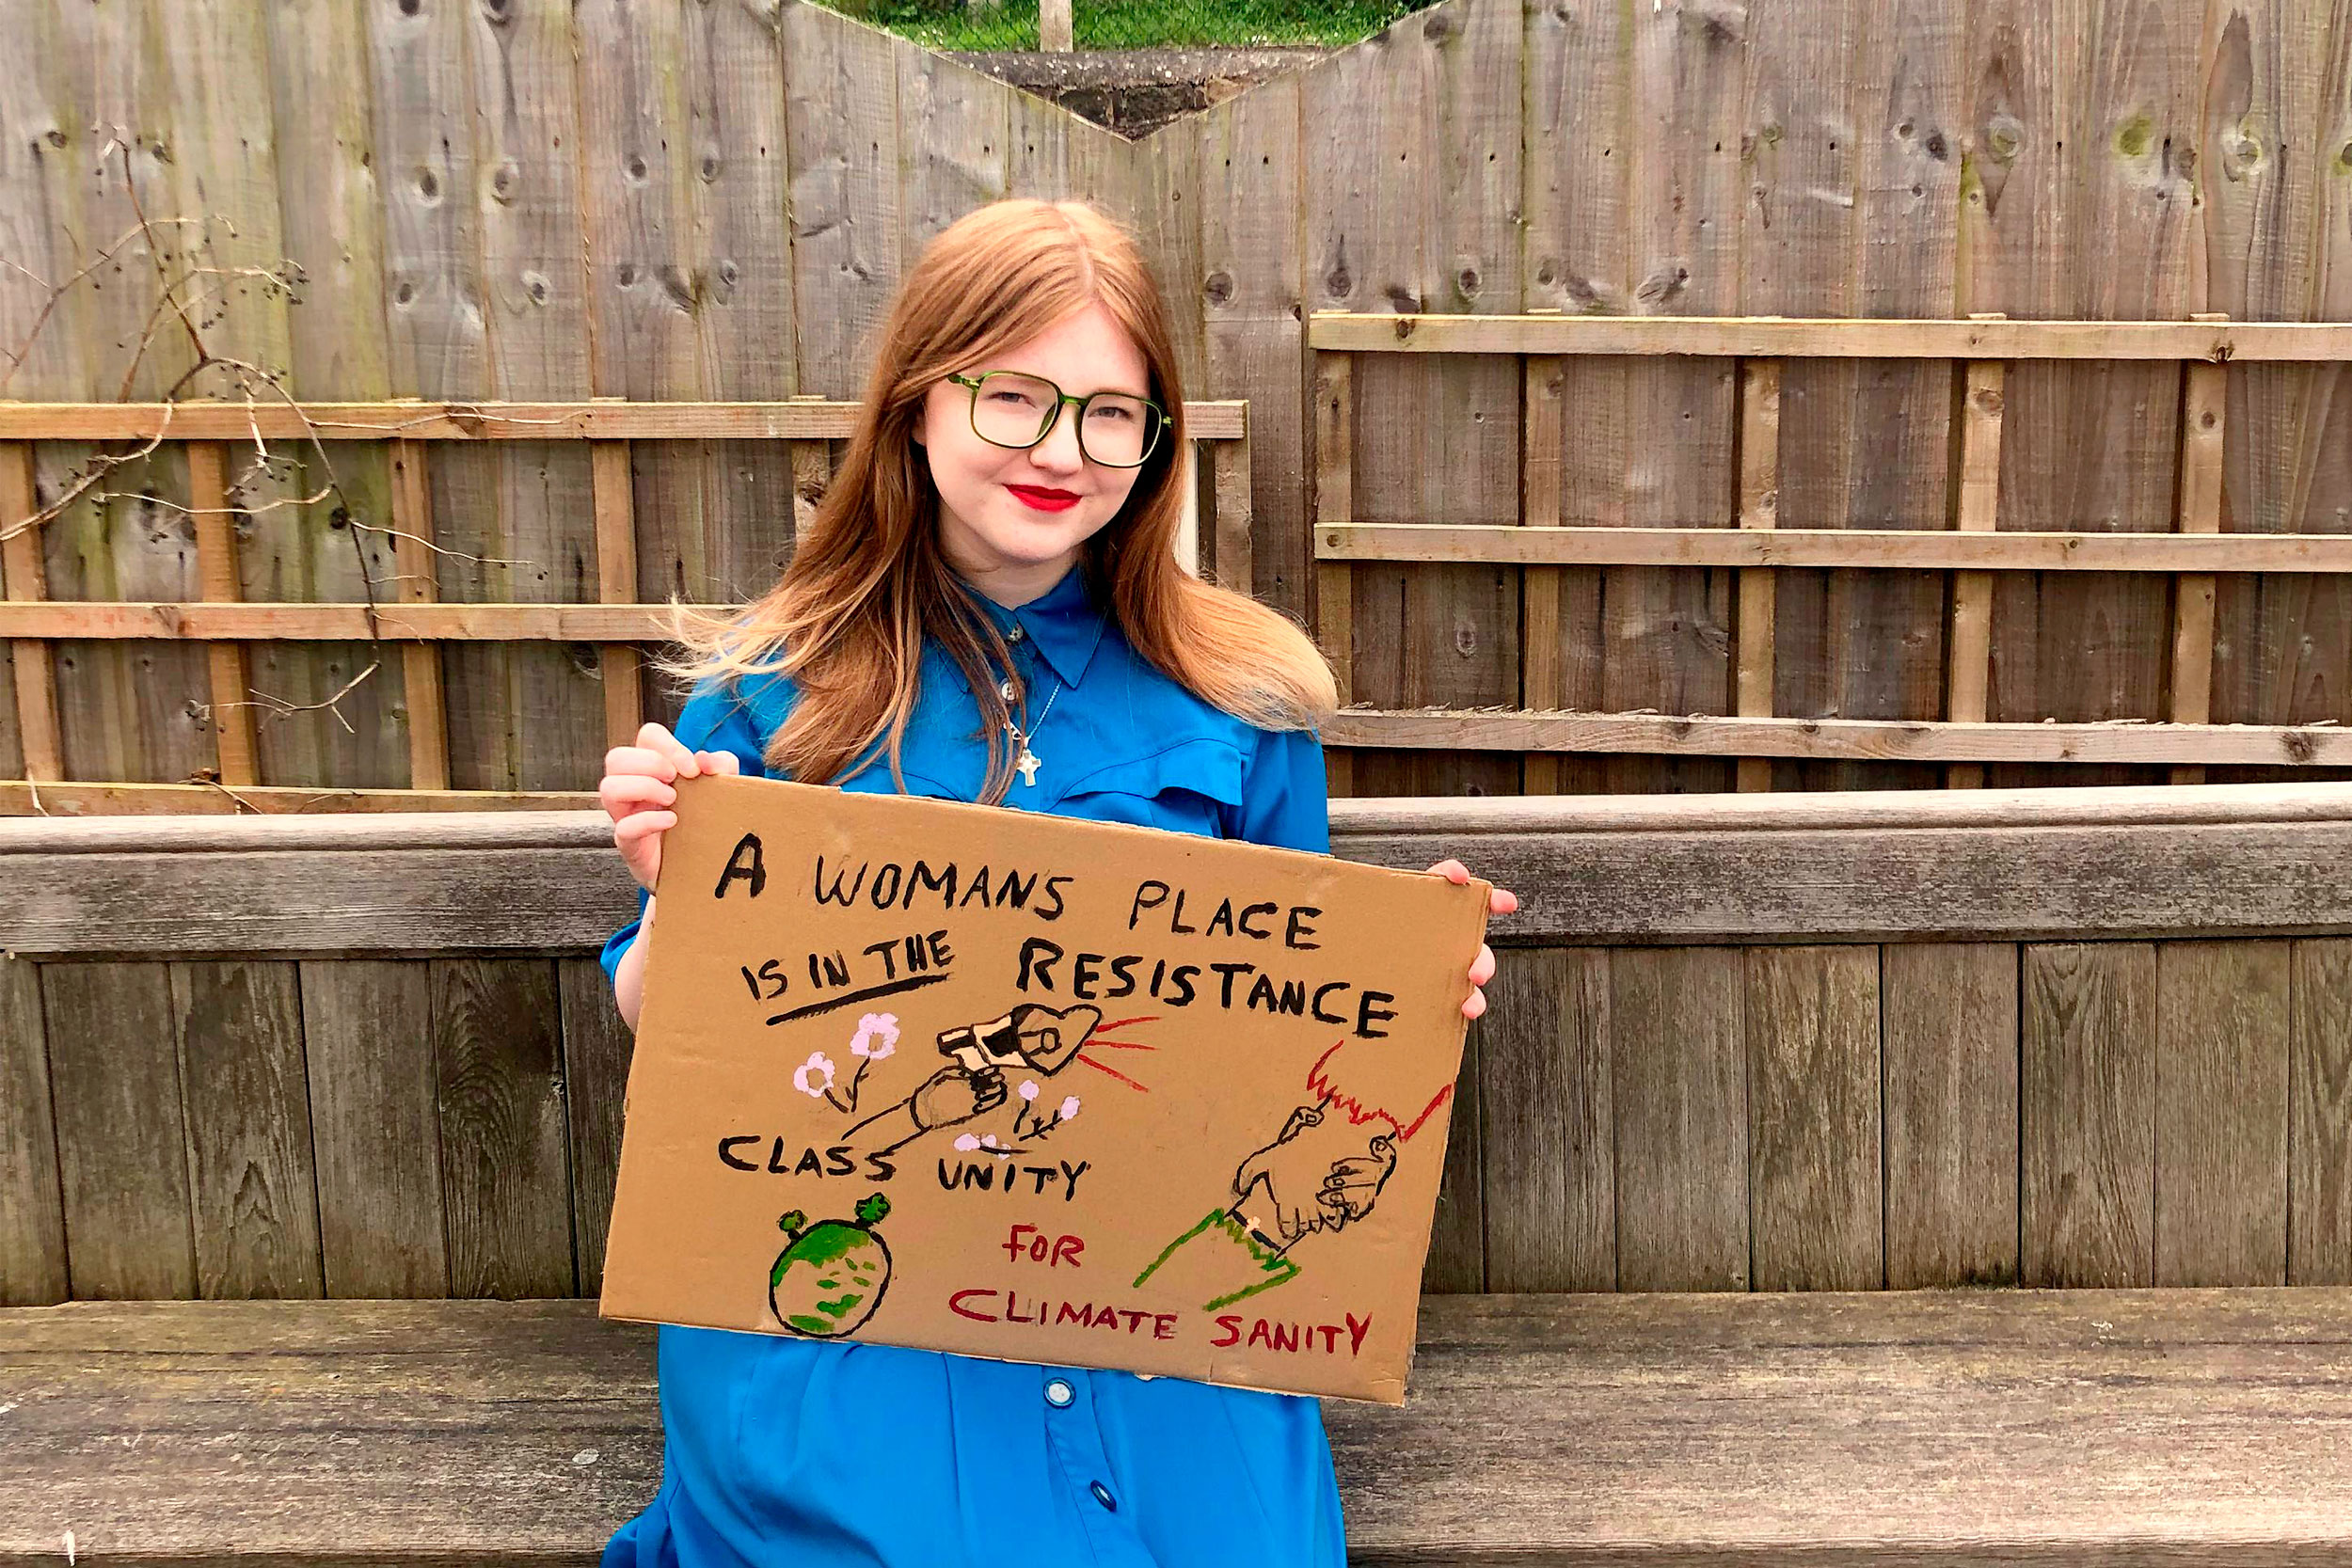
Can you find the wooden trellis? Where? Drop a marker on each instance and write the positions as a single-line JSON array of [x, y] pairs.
[[412, 617], [1750, 540]]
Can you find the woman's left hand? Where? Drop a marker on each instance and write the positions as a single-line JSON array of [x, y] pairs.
[[1499, 901]]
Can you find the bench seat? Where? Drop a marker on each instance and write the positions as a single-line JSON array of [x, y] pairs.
[[2109, 1427]]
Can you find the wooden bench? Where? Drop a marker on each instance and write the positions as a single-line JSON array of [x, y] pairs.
[[1891, 1427], [1800, 1046]]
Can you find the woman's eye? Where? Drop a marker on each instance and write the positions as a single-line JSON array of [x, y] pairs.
[[1114, 413]]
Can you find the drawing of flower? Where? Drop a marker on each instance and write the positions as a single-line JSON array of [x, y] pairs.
[[813, 1076], [1029, 1088], [877, 1035], [1069, 1108], [967, 1143]]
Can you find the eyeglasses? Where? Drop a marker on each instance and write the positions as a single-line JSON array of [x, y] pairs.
[[1010, 409]]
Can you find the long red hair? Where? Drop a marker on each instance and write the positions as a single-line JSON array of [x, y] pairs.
[[868, 582]]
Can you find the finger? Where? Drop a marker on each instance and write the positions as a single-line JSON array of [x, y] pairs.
[[1453, 871], [662, 743], [640, 759], [723, 763], [1502, 900], [641, 825], [623, 793], [1475, 1007]]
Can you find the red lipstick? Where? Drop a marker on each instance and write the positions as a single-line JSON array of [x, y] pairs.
[[1043, 500]]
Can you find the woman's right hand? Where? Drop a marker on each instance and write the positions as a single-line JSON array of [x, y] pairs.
[[639, 790]]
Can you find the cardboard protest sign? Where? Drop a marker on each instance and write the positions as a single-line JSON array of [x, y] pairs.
[[1013, 1085]]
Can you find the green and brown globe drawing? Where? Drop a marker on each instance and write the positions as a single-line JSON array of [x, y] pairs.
[[831, 1275]]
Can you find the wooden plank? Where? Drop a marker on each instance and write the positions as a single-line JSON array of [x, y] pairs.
[[2204, 392], [684, 141], [737, 84], [318, 529], [1334, 497], [2319, 1135], [231, 710], [1697, 545], [1906, 123], [1544, 1076], [2096, 445], [497, 1055], [437, 327], [1456, 1263], [1577, 108], [1232, 537], [455, 623], [1828, 869], [338, 547], [21, 797], [22, 579], [32, 1212], [2086, 1115], [616, 583], [842, 131], [1704, 736], [1800, 246], [251, 1178], [1668, 632], [124, 712], [2222, 1012], [1252, 338], [367, 1037], [424, 702], [2014, 337], [1950, 1049], [1679, 1107], [1543, 673], [1759, 464], [473, 422], [1977, 510], [1444, 436], [1816, 1196], [527, 718], [460, 1401], [1537, 1430], [597, 1050], [2277, 245], [122, 1148]]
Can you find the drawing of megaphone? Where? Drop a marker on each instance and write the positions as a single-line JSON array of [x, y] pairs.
[[1029, 1039]]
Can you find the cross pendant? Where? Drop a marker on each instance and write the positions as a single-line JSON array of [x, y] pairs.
[[1026, 765]]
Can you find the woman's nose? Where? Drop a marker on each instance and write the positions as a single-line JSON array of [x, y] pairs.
[[1059, 451]]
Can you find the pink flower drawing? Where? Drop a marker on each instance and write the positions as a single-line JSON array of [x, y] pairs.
[[814, 1077], [877, 1035]]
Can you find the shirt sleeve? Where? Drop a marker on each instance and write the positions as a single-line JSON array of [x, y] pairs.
[[1285, 797], [715, 719]]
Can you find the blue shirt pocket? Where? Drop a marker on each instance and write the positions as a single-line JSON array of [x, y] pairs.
[[1192, 786]]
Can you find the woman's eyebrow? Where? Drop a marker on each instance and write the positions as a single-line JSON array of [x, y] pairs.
[[1038, 375]]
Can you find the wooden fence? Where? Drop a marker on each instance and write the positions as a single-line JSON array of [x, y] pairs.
[[547, 200], [1770, 1042], [410, 626], [1562, 593]]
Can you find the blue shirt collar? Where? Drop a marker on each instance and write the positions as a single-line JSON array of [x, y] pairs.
[[1064, 624]]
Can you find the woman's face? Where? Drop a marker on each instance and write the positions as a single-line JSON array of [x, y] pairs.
[[1011, 521]]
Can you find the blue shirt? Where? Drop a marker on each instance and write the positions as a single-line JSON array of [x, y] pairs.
[[800, 1453]]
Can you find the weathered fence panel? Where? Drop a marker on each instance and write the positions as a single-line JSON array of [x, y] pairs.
[[1797, 1042]]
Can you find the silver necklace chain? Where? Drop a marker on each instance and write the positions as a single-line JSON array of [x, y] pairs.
[[1028, 762]]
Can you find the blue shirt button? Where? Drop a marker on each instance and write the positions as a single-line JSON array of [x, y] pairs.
[[1103, 1495], [1058, 1394]]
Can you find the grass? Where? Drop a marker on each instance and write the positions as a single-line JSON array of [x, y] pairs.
[[946, 25]]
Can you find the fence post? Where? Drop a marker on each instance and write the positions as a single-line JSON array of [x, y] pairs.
[[1055, 27]]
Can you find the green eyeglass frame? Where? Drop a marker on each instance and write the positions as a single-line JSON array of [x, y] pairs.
[[1152, 442]]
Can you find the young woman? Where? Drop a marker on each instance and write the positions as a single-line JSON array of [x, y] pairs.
[[988, 607]]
